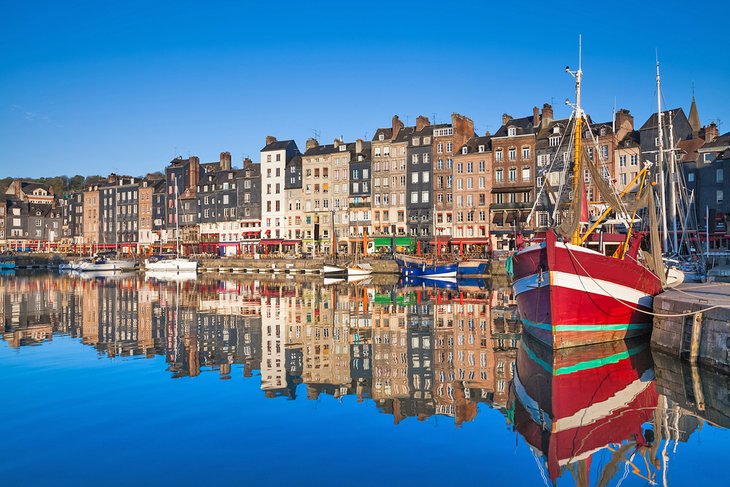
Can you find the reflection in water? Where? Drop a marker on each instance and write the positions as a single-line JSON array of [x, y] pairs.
[[412, 350]]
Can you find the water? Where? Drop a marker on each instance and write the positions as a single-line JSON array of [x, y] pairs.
[[270, 381]]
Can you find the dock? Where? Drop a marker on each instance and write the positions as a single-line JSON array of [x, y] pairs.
[[692, 322]]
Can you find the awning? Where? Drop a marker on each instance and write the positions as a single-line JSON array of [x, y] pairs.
[[291, 242], [274, 241], [469, 240]]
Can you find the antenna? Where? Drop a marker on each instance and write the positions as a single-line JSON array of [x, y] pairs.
[[580, 52], [613, 119], [317, 134], [433, 114]]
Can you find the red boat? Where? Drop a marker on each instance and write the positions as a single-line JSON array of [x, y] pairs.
[[576, 402], [568, 295]]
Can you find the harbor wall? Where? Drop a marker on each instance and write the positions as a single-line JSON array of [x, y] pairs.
[[702, 337]]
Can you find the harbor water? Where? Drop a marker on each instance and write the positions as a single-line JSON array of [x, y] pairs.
[[271, 380]]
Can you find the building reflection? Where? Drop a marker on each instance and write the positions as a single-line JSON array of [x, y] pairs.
[[415, 351]]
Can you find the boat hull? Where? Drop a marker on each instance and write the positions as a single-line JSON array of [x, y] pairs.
[[473, 268], [6, 266], [416, 267], [107, 266], [172, 265], [570, 296], [334, 271]]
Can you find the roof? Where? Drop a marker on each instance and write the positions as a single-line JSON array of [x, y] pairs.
[[387, 134], [329, 149], [651, 123], [631, 139], [694, 117], [523, 125], [719, 143], [278, 145], [472, 145], [689, 147]]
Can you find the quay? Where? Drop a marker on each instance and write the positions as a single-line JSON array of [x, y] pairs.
[[692, 322]]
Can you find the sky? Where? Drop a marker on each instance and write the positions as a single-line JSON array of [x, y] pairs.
[[99, 87]]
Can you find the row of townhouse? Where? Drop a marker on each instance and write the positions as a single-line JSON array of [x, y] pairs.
[[429, 186]]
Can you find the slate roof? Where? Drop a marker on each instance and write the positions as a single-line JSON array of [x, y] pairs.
[[279, 145], [631, 139], [689, 149], [472, 145], [651, 123], [523, 125], [719, 143]]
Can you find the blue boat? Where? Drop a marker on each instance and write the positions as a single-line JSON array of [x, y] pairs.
[[427, 268], [442, 283], [473, 267], [7, 265]]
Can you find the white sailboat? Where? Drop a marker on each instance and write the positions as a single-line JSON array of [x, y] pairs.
[[176, 263], [105, 262]]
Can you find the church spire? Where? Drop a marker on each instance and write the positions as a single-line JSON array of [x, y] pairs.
[[694, 118]]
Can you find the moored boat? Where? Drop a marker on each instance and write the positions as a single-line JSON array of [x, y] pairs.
[[333, 270], [7, 265], [359, 269], [427, 268], [173, 264], [106, 264], [473, 267]]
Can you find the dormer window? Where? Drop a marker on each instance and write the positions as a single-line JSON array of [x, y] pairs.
[[603, 131], [381, 137], [481, 148], [556, 129], [426, 140], [415, 141], [464, 150], [554, 141], [343, 148], [512, 131]]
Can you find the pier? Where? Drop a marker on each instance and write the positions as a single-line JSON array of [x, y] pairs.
[[692, 322]]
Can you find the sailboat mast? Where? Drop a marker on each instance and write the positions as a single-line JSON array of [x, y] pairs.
[[672, 186], [575, 238], [660, 158]]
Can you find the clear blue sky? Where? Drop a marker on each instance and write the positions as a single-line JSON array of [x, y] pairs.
[[96, 87]]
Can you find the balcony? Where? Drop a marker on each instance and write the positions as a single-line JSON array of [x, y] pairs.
[[510, 206]]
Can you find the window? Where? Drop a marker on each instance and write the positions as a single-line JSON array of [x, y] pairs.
[[377, 149], [459, 168], [525, 153], [414, 196], [481, 148], [512, 131], [512, 173], [498, 155], [691, 177], [634, 159], [554, 141], [525, 173], [718, 194], [464, 150], [718, 176], [414, 159], [414, 178], [386, 151], [449, 146], [707, 158], [440, 148], [482, 166], [499, 175], [380, 137], [604, 152], [622, 161], [425, 176], [623, 178], [470, 167], [424, 196], [512, 154]]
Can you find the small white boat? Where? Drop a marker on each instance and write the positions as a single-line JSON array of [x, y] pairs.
[[359, 269], [170, 276], [103, 264], [329, 270], [175, 264]]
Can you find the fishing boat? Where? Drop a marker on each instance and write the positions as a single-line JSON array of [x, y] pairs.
[[577, 403], [412, 266], [173, 263], [568, 294], [473, 267]]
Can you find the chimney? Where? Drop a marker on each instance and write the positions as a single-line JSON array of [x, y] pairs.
[[337, 143], [247, 161], [225, 161], [487, 134], [270, 139], [711, 132], [535, 116], [506, 118], [311, 144], [358, 149], [194, 172], [397, 126], [547, 115], [422, 122], [463, 128]]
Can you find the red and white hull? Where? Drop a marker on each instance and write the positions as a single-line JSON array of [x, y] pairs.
[[569, 295]]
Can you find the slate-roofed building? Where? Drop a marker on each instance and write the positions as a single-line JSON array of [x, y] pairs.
[[30, 192], [513, 152], [473, 184], [360, 197], [119, 213], [248, 187], [276, 158], [419, 186]]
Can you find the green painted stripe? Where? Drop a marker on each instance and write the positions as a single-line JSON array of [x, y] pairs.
[[586, 327], [587, 365]]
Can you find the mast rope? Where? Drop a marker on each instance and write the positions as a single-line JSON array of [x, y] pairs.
[[635, 308]]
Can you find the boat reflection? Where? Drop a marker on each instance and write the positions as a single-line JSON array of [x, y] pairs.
[[573, 403]]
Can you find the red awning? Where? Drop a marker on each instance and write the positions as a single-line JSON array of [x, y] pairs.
[[442, 239], [291, 242], [276, 241], [470, 240]]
